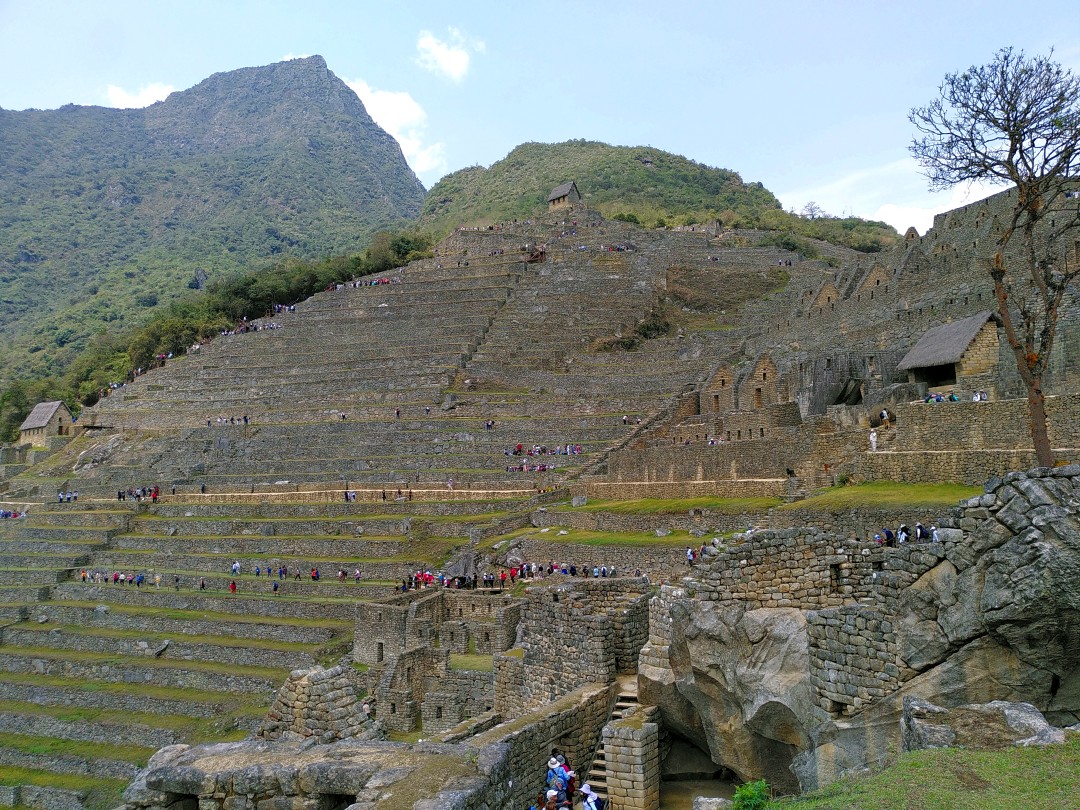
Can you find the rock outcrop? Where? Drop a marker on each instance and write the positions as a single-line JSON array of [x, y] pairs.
[[797, 649], [986, 726]]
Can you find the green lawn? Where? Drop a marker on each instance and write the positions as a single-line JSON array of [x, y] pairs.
[[1034, 778], [886, 494], [475, 663]]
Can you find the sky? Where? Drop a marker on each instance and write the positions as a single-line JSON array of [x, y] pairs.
[[810, 99]]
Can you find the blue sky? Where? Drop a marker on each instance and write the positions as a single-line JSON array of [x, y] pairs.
[[810, 99]]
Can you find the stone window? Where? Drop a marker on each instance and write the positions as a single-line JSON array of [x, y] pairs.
[[438, 712], [828, 362], [761, 432], [378, 652], [834, 578], [757, 397], [393, 708]]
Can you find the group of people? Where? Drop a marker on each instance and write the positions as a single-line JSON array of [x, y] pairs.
[[560, 787], [230, 420], [67, 496], [11, 513], [543, 450], [886, 537], [137, 493]]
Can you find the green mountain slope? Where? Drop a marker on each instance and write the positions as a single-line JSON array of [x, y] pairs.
[[641, 180], [107, 213]]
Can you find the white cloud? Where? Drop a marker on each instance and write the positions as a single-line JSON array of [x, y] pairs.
[[447, 59], [143, 97], [402, 116], [896, 193]]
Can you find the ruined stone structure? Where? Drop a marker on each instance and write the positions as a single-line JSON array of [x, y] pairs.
[[320, 703], [785, 654], [795, 649]]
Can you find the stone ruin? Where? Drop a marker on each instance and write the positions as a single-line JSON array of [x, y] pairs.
[[789, 655], [324, 704]]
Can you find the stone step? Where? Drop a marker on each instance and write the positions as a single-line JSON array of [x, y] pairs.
[[125, 617], [122, 697], [110, 669], [153, 645], [65, 764]]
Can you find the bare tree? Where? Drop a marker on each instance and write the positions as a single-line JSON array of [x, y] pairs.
[[812, 210], [1016, 121]]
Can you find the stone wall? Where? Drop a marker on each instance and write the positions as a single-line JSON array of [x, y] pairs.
[[853, 654], [584, 631], [802, 568], [632, 756], [320, 703]]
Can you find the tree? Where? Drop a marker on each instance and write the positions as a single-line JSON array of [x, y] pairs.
[[1016, 121], [812, 210]]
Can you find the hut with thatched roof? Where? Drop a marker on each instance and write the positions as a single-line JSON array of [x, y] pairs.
[[946, 354]]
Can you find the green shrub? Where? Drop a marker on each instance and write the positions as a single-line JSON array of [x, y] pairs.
[[752, 795]]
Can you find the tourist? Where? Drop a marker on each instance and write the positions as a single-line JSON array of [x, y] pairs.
[[232, 587], [589, 800], [873, 440]]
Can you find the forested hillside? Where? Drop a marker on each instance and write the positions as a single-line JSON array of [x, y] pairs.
[[106, 213]]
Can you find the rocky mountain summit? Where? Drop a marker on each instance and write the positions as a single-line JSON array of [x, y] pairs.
[[246, 166]]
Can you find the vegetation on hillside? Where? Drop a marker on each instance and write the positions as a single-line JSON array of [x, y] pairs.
[[110, 356], [106, 214], [633, 184]]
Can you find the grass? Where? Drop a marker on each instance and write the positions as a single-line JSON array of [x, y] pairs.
[[673, 506], [101, 793], [53, 747], [956, 779], [887, 494], [472, 663]]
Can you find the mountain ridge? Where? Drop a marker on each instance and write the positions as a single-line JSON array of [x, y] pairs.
[[244, 168]]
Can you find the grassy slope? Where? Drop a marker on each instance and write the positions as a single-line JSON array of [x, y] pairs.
[[956, 779]]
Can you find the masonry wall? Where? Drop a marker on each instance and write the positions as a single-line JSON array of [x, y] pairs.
[[632, 756], [801, 568], [584, 631]]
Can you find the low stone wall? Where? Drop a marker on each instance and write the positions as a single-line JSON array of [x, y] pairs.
[[41, 798], [119, 619], [634, 490], [659, 563], [107, 733], [134, 673], [800, 568], [99, 768]]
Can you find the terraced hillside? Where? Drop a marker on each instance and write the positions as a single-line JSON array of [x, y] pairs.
[[97, 674]]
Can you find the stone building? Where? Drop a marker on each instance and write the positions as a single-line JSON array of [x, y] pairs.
[[563, 196], [48, 419], [952, 353]]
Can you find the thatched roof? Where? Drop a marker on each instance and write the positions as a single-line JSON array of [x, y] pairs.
[[944, 344], [42, 415], [562, 191]]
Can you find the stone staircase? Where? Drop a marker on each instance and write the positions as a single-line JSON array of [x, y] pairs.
[[599, 771]]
